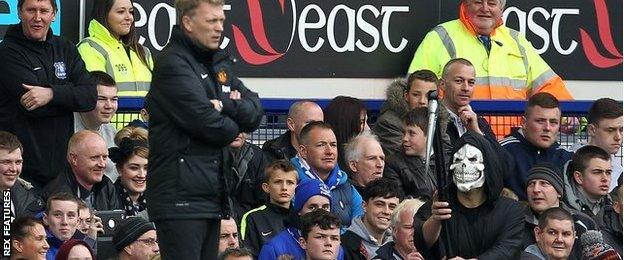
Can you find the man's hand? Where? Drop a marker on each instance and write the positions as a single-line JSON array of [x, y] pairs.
[[469, 119], [36, 97], [95, 226], [217, 104], [440, 210], [234, 94], [415, 256]]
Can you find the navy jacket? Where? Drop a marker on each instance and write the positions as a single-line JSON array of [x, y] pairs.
[[521, 156]]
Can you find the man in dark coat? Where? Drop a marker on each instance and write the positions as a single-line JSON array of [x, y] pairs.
[[43, 82], [545, 190], [197, 107], [248, 167], [481, 223], [457, 82], [85, 176], [299, 115]]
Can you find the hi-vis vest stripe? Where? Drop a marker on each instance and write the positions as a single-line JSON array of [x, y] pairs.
[[493, 81], [134, 88]]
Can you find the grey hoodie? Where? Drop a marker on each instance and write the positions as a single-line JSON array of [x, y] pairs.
[[367, 241]]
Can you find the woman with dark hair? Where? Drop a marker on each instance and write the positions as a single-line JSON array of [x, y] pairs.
[[112, 46], [347, 117], [130, 158]]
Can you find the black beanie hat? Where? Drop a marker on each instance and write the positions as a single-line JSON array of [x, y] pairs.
[[548, 172], [129, 230]]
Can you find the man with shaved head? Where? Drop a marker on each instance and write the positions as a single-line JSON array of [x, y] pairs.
[[299, 115], [84, 178]]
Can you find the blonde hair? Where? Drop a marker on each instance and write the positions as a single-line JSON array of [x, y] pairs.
[[132, 132]]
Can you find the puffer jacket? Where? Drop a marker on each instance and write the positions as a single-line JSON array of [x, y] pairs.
[[190, 163], [389, 124]]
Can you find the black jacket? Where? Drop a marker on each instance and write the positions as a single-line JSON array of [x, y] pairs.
[[410, 175], [103, 194], [248, 168], [582, 223], [612, 229], [44, 132], [190, 164], [453, 134], [261, 224], [279, 148], [25, 199], [387, 252], [492, 230]]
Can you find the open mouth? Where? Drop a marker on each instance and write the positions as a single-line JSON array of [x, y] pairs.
[[139, 182]]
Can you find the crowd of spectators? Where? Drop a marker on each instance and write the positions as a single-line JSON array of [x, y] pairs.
[[183, 182]]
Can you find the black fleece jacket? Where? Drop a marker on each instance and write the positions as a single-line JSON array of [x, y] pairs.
[[45, 131]]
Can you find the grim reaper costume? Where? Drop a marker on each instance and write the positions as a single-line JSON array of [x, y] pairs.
[[492, 230]]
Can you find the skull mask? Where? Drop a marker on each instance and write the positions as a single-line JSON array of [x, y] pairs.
[[468, 168]]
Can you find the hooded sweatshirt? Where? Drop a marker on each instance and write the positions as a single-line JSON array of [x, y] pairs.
[[492, 230], [358, 243]]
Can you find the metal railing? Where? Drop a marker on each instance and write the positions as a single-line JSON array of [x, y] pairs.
[[500, 114]]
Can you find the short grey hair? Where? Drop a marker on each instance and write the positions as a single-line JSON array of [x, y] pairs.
[[502, 2], [353, 149], [447, 66], [408, 204]]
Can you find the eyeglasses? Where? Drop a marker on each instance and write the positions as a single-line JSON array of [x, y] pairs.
[[148, 241]]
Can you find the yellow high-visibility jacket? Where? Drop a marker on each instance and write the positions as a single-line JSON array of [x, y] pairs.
[[512, 69], [101, 51]]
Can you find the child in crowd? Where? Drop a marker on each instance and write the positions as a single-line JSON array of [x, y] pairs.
[[261, 224], [407, 168]]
